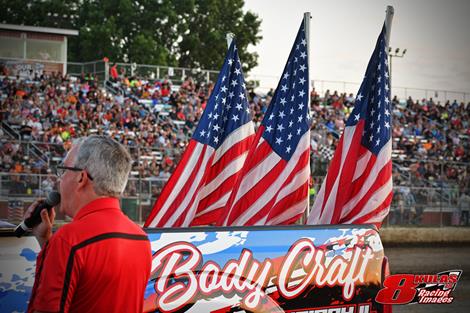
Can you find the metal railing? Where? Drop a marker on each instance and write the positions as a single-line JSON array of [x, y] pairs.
[[97, 68], [321, 86], [48, 153], [31, 147], [178, 74], [429, 206], [410, 206], [148, 71], [55, 152]]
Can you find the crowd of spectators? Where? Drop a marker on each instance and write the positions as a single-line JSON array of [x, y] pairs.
[[430, 139], [155, 119], [55, 109]]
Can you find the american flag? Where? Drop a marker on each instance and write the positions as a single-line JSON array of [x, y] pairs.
[[200, 185], [358, 186], [273, 186]]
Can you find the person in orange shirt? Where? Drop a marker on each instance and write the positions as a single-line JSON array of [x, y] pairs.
[[146, 94], [20, 93], [72, 99], [427, 145], [18, 167]]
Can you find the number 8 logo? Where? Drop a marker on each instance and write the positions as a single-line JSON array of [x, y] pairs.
[[398, 289]]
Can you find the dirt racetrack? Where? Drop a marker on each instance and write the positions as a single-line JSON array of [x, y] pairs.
[[431, 259]]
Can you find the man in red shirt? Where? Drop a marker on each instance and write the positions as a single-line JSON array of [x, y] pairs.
[[101, 261]]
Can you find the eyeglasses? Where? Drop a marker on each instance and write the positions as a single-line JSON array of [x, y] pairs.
[[60, 170]]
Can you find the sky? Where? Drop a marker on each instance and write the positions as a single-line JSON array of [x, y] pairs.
[[436, 34]]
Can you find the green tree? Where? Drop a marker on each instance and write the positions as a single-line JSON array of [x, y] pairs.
[[189, 33], [204, 44]]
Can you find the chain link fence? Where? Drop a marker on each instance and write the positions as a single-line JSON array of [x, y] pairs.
[[413, 206]]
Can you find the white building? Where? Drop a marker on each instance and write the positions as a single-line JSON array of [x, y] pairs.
[[29, 48]]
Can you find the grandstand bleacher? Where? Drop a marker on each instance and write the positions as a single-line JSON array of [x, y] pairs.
[[40, 116]]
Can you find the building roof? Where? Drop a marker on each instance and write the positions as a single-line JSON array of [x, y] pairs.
[[36, 29]]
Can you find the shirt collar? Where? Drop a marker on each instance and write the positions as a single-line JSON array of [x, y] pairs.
[[98, 205]]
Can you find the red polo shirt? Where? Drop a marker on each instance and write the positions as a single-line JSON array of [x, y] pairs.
[[100, 262]]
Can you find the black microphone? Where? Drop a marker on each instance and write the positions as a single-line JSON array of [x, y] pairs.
[[53, 199]]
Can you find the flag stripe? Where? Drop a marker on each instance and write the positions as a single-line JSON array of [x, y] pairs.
[[299, 192], [358, 184], [256, 173], [179, 178], [339, 157], [336, 167], [238, 135], [271, 209], [237, 153], [168, 209], [186, 210], [377, 216], [382, 178], [327, 211], [292, 213], [221, 178], [224, 173], [301, 175], [217, 192], [377, 164], [362, 164], [353, 138], [269, 188], [250, 196], [214, 206], [375, 200]]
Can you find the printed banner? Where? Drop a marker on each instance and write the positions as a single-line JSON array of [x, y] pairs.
[[290, 269], [18, 68], [237, 269]]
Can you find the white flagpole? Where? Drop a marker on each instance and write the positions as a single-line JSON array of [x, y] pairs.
[[229, 37], [389, 12], [307, 17], [388, 23], [388, 26]]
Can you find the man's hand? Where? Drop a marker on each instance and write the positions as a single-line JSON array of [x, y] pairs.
[[42, 231]]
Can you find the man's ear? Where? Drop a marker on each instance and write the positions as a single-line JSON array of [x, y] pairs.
[[82, 179]]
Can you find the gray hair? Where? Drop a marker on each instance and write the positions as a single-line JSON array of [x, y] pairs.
[[107, 161]]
